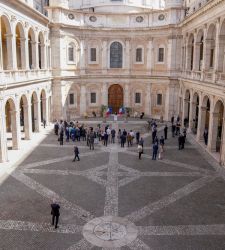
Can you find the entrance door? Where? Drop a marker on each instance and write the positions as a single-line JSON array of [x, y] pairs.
[[115, 97]]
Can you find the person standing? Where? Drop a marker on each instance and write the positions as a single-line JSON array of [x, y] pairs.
[[44, 123], [122, 140], [61, 134], [76, 154], [205, 135], [154, 151], [140, 151], [119, 135], [162, 143], [113, 134], [165, 132], [141, 142], [106, 139], [55, 213], [129, 139], [180, 142], [92, 139], [137, 137]]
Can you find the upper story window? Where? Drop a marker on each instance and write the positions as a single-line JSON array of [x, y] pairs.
[[93, 55], [161, 55], [71, 99], [139, 55], [116, 55], [71, 52]]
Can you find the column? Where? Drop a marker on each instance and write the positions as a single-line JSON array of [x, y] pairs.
[[222, 153], [105, 94], [83, 104], [43, 56], [16, 129], [82, 56], [27, 121], [35, 62], [11, 57], [201, 123], [213, 129], [37, 116], [127, 54], [104, 56], [217, 50], [150, 56], [46, 108], [192, 104], [24, 53], [3, 137]]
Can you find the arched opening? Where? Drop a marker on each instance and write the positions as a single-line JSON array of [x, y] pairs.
[[20, 46], [217, 126], [210, 47], [34, 112], [41, 51], [195, 110], [116, 55], [11, 125], [6, 46], [199, 50], [31, 48], [115, 97], [190, 52], [204, 120], [186, 108]]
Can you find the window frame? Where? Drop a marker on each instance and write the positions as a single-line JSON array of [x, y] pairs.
[[89, 55], [135, 96], [74, 99], [93, 103], [158, 55], [71, 45], [157, 104], [142, 55]]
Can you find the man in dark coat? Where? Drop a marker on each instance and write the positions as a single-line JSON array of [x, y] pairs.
[[113, 134], [165, 132], [155, 151], [122, 140], [180, 141], [137, 137], [55, 213], [76, 153], [106, 136], [61, 137], [91, 140]]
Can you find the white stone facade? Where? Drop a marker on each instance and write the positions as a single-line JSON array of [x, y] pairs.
[[165, 57]]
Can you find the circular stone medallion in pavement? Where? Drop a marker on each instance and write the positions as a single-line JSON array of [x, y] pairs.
[[110, 231]]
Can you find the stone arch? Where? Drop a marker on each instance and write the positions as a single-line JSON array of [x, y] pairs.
[[115, 97], [210, 47], [41, 51], [32, 48], [35, 112], [20, 46], [6, 40], [11, 120], [116, 55], [217, 125]]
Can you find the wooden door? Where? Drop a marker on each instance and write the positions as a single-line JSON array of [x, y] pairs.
[[115, 97]]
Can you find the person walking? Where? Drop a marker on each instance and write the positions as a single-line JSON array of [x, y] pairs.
[[165, 132], [76, 154], [129, 139], [154, 151], [55, 213], [173, 129], [119, 135], [180, 141], [122, 140], [161, 150], [140, 151], [137, 137], [106, 136], [141, 142], [44, 123], [162, 142]]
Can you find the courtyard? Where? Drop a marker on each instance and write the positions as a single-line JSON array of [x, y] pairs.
[[113, 200]]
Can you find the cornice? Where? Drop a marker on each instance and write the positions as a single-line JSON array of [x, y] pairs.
[[201, 11]]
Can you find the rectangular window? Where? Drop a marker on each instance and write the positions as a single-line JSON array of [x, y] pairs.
[[93, 55], [161, 55], [71, 54], [211, 58], [93, 97], [137, 97], [139, 55], [71, 98], [159, 99]]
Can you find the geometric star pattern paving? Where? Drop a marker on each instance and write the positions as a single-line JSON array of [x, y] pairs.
[[110, 230]]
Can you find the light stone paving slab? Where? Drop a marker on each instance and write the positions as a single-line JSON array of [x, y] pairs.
[[81, 245], [138, 245]]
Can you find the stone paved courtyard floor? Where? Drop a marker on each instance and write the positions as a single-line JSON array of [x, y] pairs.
[[112, 200]]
